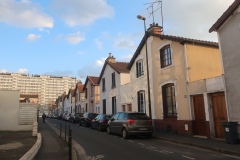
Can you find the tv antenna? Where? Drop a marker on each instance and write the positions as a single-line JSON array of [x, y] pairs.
[[151, 4]]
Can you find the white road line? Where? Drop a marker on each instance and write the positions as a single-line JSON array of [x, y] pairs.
[[140, 143], [130, 141], [151, 147], [187, 157], [167, 151]]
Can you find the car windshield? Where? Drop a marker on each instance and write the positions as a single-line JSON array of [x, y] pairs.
[[108, 117], [138, 116]]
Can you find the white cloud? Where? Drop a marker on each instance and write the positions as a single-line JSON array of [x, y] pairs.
[[22, 71], [126, 41], [191, 18], [24, 14], [3, 71], [33, 37], [73, 38], [98, 43], [100, 62], [126, 58], [81, 12]]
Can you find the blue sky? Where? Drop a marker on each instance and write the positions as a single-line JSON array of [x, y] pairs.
[[74, 37]]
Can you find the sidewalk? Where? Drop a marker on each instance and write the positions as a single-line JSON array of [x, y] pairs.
[[209, 144], [53, 147]]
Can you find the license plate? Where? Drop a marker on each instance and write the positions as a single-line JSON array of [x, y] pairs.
[[143, 129]]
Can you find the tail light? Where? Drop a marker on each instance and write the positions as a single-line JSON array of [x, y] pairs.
[[150, 122], [130, 121], [105, 120]]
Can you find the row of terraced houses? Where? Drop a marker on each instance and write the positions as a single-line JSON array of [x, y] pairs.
[[193, 85]]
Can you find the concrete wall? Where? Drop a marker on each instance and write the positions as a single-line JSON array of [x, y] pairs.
[[230, 49], [9, 112], [174, 73], [110, 92], [202, 62]]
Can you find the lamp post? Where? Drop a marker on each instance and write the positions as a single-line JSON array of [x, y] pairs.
[[149, 97]]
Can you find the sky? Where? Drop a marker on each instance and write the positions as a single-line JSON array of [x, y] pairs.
[[74, 37]]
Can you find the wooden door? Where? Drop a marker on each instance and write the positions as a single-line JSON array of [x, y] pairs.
[[219, 113], [199, 124]]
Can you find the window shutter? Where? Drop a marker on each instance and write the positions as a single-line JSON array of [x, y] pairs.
[[137, 70]]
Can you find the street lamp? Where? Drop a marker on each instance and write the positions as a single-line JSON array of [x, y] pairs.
[[149, 97]]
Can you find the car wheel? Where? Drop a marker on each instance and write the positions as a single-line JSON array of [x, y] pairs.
[[100, 128], [108, 130], [124, 134], [91, 126], [149, 136]]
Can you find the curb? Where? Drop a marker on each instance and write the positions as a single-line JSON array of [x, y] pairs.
[[215, 149], [33, 151]]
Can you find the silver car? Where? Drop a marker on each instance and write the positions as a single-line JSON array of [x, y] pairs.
[[130, 123]]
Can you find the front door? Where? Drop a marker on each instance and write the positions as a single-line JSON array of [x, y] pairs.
[[219, 113], [199, 124]]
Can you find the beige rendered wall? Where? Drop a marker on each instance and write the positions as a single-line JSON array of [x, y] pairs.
[[202, 62], [139, 83], [173, 74], [9, 108]]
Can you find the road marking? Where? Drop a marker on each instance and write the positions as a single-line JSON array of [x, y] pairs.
[[140, 143], [130, 141], [167, 151], [151, 147], [187, 157]]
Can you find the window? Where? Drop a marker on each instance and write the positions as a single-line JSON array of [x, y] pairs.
[[103, 85], [113, 80], [141, 101], [165, 56], [114, 105], [92, 90], [139, 68], [85, 92], [169, 101]]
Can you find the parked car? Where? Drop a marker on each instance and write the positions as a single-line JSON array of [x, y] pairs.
[[60, 116], [100, 122], [64, 116], [87, 119], [67, 117], [75, 117], [130, 123]]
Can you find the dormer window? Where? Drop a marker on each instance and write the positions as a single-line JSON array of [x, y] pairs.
[[165, 56], [139, 68]]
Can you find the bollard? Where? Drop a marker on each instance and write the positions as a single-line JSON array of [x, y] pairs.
[[65, 131], [60, 130], [70, 143]]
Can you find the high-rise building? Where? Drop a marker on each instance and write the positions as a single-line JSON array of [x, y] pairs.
[[48, 88]]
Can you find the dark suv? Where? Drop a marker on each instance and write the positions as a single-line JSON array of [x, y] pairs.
[[100, 122], [130, 123], [87, 119], [75, 117]]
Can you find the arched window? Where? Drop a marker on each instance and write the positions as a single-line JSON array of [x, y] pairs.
[[165, 56], [169, 101], [139, 68]]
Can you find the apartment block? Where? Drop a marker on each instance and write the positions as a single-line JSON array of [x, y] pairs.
[[47, 87]]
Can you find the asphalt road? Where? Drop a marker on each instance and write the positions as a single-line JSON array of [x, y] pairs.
[[100, 145]]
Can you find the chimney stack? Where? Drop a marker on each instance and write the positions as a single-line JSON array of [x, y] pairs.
[[111, 58], [155, 29]]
